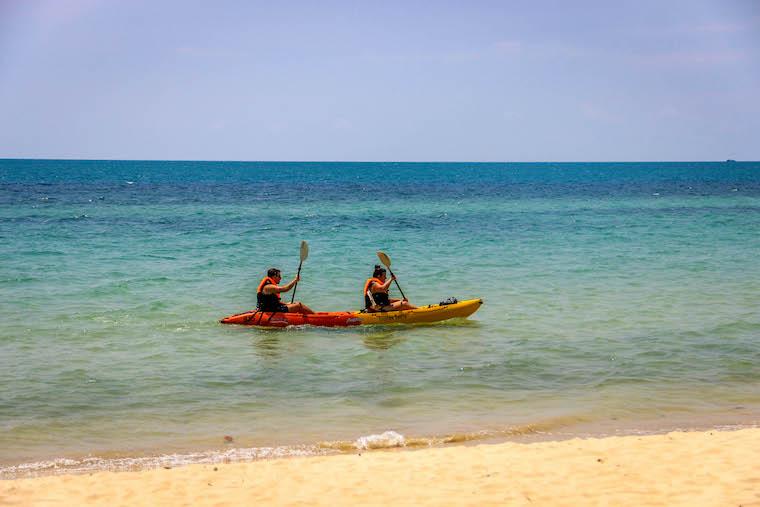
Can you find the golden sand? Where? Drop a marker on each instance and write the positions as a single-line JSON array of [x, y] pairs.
[[712, 468]]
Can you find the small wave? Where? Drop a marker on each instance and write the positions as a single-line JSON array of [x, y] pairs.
[[20, 279], [123, 464], [382, 441], [83, 216], [391, 439]]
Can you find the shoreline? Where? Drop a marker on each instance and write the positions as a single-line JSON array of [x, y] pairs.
[[676, 468], [548, 430]]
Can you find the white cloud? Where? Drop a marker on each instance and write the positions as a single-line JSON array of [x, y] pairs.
[[55, 13], [695, 58], [668, 111], [721, 27], [595, 112], [509, 47], [343, 124]]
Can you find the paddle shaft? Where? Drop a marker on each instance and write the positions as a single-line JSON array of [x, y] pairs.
[[397, 285], [293, 296]]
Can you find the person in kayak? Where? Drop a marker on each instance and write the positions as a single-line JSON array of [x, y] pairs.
[[376, 297], [268, 295]]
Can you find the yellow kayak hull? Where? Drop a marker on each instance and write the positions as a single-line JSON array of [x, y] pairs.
[[424, 314]]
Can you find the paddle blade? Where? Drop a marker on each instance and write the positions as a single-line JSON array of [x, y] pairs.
[[384, 259], [304, 250]]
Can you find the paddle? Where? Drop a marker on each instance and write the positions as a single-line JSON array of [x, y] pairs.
[[387, 262], [304, 255]]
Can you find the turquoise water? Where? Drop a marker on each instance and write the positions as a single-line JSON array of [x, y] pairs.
[[618, 297]]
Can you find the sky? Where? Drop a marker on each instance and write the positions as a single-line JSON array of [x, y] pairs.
[[380, 81]]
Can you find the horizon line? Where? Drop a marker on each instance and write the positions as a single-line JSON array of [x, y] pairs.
[[41, 159]]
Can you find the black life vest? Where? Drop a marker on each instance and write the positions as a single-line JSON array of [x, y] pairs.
[[267, 302], [381, 298]]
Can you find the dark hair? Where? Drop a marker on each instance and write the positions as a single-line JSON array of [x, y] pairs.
[[273, 272], [379, 270]]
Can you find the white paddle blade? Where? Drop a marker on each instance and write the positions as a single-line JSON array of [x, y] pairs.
[[384, 259], [304, 250]]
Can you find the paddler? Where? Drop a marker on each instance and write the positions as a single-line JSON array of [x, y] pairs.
[[376, 298], [268, 294]]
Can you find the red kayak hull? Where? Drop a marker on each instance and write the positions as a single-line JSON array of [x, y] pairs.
[[278, 319]]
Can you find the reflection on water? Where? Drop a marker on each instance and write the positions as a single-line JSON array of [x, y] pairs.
[[267, 343], [383, 339], [268, 340]]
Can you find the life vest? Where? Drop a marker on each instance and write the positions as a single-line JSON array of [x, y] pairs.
[[267, 302], [381, 298]]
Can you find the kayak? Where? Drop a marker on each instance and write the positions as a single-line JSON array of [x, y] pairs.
[[424, 314]]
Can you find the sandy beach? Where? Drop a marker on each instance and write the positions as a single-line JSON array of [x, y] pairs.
[[707, 468]]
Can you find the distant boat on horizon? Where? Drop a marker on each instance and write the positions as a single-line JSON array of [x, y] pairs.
[[730, 160]]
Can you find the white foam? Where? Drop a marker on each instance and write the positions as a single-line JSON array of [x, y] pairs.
[[93, 463], [382, 441]]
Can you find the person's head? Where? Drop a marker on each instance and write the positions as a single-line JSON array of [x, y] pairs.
[[379, 272], [274, 274]]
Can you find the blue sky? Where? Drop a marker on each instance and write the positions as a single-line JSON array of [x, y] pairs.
[[380, 81]]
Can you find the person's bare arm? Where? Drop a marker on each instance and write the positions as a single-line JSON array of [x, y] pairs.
[[385, 286]]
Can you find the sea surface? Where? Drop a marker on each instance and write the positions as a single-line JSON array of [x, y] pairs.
[[619, 298]]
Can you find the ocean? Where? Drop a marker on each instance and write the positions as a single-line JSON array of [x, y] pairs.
[[618, 298]]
